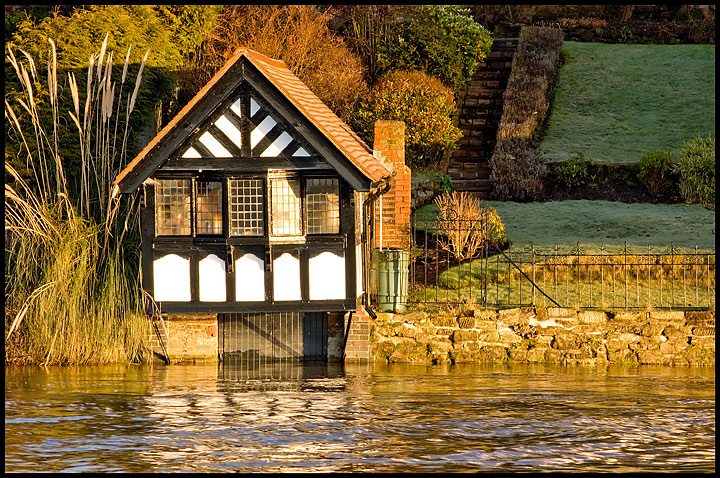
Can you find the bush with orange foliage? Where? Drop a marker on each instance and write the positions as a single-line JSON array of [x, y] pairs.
[[296, 34]]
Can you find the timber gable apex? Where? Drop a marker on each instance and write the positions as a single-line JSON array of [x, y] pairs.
[[255, 113]]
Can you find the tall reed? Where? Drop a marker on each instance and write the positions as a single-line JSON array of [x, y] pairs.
[[72, 292]]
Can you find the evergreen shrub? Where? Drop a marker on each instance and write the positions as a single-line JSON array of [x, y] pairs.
[[696, 169], [573, 172], [441, 40], [423, 103], [655, 172]]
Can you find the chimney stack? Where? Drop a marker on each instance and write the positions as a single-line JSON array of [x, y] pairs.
[[389, 147]]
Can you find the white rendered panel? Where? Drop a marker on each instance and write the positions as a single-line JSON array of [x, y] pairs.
[[214, 146], [286, 277], [249, 278], [212, 279], [261, 130], [229, 129], [171, 278], [191, 153], [327, 276], [235, 107], [254, 107], [277, 146], [301, 152]]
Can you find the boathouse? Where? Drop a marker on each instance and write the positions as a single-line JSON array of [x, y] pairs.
[[258, 204]]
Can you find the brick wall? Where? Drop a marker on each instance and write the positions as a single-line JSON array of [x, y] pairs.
[[389, 146], [357, 345]]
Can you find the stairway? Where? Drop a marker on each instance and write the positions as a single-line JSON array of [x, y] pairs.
[[479, 118]]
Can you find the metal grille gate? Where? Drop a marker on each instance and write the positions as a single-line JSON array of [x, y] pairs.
[[273, 336]]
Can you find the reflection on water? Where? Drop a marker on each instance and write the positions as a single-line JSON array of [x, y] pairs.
[[324, 417]]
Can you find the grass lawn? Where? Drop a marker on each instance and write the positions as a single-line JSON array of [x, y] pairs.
[[614, 102], [594, 223]]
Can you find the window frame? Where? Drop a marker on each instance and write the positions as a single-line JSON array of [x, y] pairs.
[[223, 205], [264, 196], [266, 180], [191, 215], [339, 203]]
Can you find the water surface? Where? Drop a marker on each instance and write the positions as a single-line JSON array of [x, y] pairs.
[[204, 418]]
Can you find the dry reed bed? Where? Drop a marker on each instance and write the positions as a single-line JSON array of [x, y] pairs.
[[71, 297]]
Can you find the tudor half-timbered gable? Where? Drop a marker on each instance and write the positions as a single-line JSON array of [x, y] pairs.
[[252, 198]]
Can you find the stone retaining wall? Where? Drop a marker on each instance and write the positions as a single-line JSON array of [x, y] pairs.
[[551, 335]]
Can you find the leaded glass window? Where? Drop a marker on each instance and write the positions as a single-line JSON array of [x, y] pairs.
[[246, 207], [172, 207], [322, 205], [209, 219], [286, 218]]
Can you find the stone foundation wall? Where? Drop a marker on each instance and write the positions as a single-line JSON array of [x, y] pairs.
[[551, 335], [187, 337]]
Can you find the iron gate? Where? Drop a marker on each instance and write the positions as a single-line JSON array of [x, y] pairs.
[[273, 336]]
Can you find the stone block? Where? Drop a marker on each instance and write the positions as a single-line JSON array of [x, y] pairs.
[[436, 346], [704, 342], [630, 316], [518, 354], [552, 356], [490, 336], [444, 331], [622, 355], [592, 317], [413, 317], [589, 329], [702, 318], [508, 337], [674, 333], [535, 355], [672, 347], [443, 321], [485, 314], [460, 356], [463, 335], [667, 316], [492, 353], [567, 341], [652, 329], [383, 349], [648, 357], [618, 341], [466, 322], [405, 331], [704, 331], [385, 317], [554, 312]]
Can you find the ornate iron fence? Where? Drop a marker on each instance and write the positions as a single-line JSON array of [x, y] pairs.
[[443, 273]]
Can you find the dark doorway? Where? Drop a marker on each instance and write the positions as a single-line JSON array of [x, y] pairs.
[[300, 336]]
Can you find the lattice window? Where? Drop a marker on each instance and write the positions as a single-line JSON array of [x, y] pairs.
[[246, 207], [172, 207], [322, 205], [209, 199], [286, 218]]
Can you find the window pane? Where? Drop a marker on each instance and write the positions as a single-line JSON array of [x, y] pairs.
[[172, 207], [286, 207], [246, 207], [209, 207], [322, 200]]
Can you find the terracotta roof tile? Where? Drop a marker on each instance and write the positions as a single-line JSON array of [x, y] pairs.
[[317, 112]]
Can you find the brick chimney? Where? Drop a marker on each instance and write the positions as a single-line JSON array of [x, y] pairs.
[[389, 147]]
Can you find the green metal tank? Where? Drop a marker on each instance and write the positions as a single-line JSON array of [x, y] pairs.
[[389, 278]]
